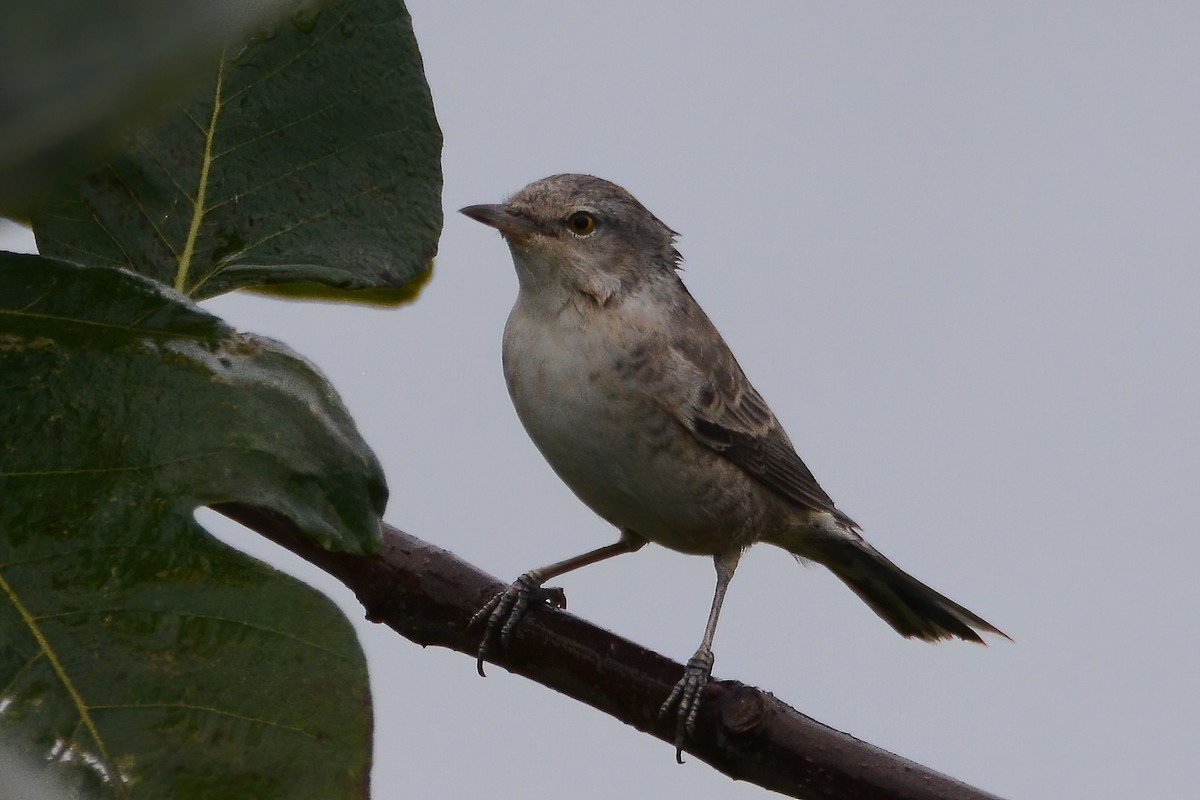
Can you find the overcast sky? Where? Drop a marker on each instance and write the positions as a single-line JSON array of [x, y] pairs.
[[955, 246]]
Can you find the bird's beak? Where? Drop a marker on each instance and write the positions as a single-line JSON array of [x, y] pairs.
[[512, 224]]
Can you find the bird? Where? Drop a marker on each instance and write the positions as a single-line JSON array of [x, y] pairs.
[[637, 403]]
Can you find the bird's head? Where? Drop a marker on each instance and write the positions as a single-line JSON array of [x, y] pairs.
[[583, 234]]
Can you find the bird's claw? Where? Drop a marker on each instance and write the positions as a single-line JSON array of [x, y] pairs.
[[685, 697], [502, 613]]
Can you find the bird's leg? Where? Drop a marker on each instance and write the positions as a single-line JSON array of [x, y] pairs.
[[504, 611], [686, 695]]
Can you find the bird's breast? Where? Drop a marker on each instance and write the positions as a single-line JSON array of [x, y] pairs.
[[580, 394], [568, 389]]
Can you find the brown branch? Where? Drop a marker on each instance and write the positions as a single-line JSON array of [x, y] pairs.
[[428, 595]]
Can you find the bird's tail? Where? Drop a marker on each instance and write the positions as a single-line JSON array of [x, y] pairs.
[[908, 605]]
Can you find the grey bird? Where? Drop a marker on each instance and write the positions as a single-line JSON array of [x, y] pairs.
[[637, 403]]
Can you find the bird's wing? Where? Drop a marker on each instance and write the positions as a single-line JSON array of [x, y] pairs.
[[717, 404]]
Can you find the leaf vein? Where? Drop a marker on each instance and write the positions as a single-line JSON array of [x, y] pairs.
[[185, 259], [200, 617], [316, 40], [234, 148], [37, 656], [58, 318], [94, 258], [149, 218], [209, 710], [81, 707], [287, 229], [147, 148]]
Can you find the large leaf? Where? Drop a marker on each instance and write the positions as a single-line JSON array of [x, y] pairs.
[[311, 156], [144, 657]]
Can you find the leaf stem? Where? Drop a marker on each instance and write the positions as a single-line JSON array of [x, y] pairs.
[[189, 246]]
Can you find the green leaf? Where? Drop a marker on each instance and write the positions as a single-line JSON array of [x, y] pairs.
[[311, 156], [87, 69], [143, 656]]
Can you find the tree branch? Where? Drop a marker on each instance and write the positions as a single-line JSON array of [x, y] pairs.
[[428, 595]]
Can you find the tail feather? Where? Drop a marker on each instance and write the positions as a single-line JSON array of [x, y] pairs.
[[909, 606]]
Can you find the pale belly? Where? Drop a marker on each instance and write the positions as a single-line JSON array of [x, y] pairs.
[[612, 442]]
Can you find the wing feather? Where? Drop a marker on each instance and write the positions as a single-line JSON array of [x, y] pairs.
[[725, 413]]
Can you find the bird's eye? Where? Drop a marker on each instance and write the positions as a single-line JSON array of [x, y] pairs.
[[581, 223]]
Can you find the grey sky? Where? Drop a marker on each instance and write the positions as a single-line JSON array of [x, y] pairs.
[[955, 247]]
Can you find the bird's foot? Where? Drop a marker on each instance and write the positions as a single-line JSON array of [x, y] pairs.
[[685, 697], [504, 611]]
